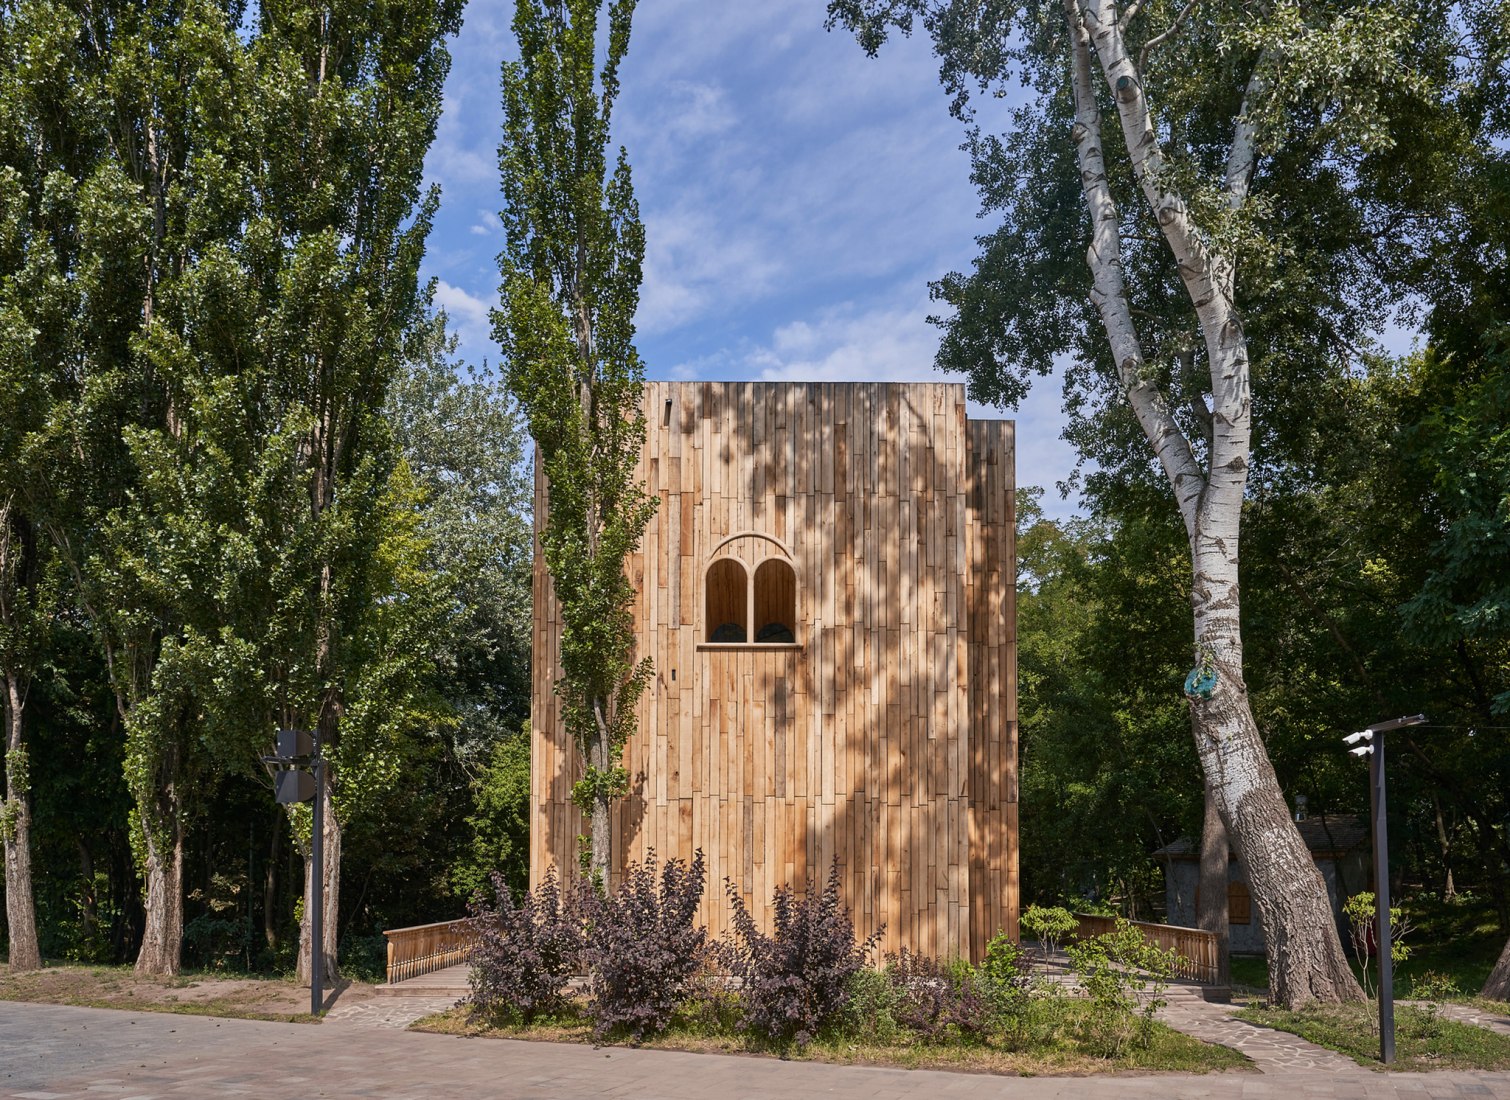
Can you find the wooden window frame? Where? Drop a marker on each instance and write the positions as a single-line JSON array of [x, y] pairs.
[[786, 558]]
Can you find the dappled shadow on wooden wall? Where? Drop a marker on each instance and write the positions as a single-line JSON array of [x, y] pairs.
[[864, 740]]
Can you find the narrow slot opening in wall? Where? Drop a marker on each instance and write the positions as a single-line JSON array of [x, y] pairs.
[[728, 602], [775, 602]]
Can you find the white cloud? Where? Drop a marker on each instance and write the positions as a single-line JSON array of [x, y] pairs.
[[468, 316], [894, 342], [487, 224], [461, 156]]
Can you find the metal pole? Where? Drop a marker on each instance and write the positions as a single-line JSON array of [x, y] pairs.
[[317, 873], [1381, 898]]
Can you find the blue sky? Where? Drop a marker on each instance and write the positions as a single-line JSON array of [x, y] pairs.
[[797, 199]]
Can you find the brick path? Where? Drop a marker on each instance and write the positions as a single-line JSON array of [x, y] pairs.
[[51, 1052]]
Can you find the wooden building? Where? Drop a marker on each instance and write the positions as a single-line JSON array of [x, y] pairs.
[[827, 592]]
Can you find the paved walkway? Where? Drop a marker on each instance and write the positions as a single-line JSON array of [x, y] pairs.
[[51, 1052], [1273, 1052], [1494, 1021]]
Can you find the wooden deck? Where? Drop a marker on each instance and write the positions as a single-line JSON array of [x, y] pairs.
[[448, 982]]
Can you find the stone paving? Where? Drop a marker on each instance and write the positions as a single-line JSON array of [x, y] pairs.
[[52, 1052], [1273, 1052], [396, 1013], [1494, 1021]]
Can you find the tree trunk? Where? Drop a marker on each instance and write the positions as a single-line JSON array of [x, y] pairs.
[[1497, 988], [330, 932], [1211, 906], [270, 885], [601, 827], [15, 826], [1444, 842], [162, 938], [1306, 961]]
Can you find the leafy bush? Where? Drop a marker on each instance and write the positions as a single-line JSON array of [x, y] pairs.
[[870, 1005], [938, 1001], [524, 953], [1048, 925], [1433, 985], [1125, 976], [1004, 979], [1361, 910], [795, 980], [643, 950]]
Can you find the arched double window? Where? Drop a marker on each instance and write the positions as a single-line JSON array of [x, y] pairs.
[[742, 605]]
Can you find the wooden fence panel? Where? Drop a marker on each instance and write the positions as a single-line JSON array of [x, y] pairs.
[[1196, 948], [426, 948]]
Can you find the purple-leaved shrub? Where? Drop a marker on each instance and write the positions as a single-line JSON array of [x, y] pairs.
[[643, 949], [524, 953], [938, 1001], [797, 978]]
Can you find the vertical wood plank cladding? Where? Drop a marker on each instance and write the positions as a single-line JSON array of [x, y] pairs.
[[887, 736]]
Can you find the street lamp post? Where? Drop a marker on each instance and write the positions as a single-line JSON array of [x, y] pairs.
[[298, 771], [1370, 743]]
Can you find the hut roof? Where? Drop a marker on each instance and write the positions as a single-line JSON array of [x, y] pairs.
[[1326, 835]]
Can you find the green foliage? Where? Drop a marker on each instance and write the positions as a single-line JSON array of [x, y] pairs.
[[870, 1007], [1424, 1039], [571, 276], [1048, 925], [1125, 976], [1361, 910], [499, 821], [1435, 986]]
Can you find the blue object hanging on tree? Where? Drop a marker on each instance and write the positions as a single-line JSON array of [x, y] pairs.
[[1201, 683]]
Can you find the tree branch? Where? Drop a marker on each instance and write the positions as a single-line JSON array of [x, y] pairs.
[[1169, 32], [1242, 158], [1109, 291], [1199, 266]]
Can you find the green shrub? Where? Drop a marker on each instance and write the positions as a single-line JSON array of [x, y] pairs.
[[1125, 976], [1433, 985], [1360, 910], [1005, 981], [1048, 925], [870, 1008]]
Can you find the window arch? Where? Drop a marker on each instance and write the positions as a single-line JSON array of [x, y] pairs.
[[750, 592], [728, 602]]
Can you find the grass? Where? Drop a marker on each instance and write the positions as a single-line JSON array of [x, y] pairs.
[[188, 994], [1424, 1040], [1066, 1046], [1454, 945]]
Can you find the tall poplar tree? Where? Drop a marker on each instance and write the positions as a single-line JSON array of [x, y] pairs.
[[1222, 169], [570, 285], [228, 201]]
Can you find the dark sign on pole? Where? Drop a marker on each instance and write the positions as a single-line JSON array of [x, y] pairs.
[[293, 785]]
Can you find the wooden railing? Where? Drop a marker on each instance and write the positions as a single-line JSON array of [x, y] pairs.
[[426, 948], [1196, 949]]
